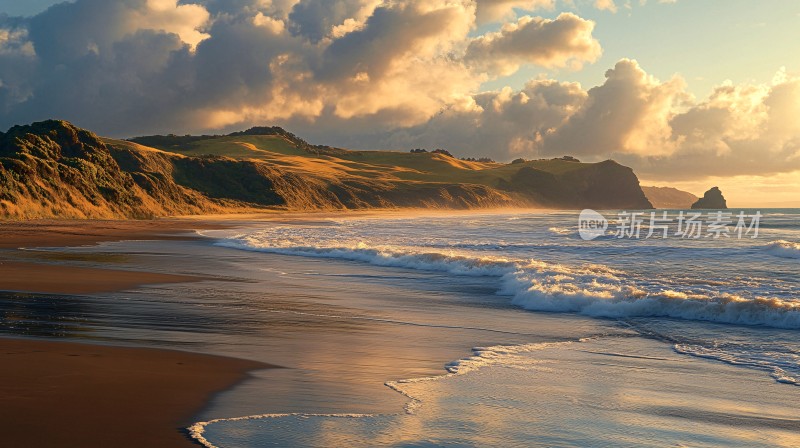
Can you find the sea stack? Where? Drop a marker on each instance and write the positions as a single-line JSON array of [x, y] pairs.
[[713, 200]]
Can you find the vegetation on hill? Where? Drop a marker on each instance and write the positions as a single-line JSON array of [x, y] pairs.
[[53, 169], [669, 198], [174, 142], [604, 185]]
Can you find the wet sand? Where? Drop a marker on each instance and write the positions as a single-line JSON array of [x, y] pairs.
[[62, 233], [21, 271], [77, 395], [56, 279]]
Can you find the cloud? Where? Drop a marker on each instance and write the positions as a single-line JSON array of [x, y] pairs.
[[489, 11], [607, 5], [382, 74], [656, 127], [501, 124], [629, 113], [14, 41], [316, 20], [748, 129], [17, 64], [143, 66], [70, 30], [548, 43]]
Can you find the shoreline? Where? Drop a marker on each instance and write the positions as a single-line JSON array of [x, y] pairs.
[[77, 394], [309, 352], [26, 271]]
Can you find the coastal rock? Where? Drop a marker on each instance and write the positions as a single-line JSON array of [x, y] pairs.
[[711, 200]]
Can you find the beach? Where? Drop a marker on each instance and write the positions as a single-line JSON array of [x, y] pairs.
[[27, 271], [399, 224], [471, 335], [80, 395]]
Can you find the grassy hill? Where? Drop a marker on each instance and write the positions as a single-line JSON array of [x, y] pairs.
[[669, 198], [556, 183], [53, 169]]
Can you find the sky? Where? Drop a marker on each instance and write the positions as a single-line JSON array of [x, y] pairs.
[[689, 93]]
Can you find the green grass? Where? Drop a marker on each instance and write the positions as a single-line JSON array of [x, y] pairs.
[[265, 147], [423, 167]]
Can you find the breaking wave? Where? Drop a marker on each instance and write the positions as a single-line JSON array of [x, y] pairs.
[[784, 249], [593, 290]]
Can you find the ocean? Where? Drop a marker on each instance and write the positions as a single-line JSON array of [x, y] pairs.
[[496, 329]]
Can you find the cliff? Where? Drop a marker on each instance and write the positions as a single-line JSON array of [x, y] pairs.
[[669, 198], [604, 185], [712, 200], [54, 169]]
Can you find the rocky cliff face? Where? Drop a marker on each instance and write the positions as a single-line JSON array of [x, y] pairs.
[[712, 200]]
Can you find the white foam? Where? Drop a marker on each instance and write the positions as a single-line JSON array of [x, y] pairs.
[[776, 364], [561, 230], [197, 431], [784, 249], [593, 290], [500, 355]]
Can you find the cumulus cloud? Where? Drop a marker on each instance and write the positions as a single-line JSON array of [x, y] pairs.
[[629, 113], [607, 5], [69, 30], [382, 74], [656, 127], [548, 43], [17, 64], [316, 20], [739, 130], [135, 66], [499, 10], [501, 124], [14, 41]]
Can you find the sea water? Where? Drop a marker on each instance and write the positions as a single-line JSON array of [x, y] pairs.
[[502, 329], [730, 300]]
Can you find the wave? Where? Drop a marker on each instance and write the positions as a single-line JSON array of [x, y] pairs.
[[779, 365], [509, 356], [197, 431], [560, 230], [784, 249], [593, 290]]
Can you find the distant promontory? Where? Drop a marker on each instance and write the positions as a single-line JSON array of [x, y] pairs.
[[711, 200]]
